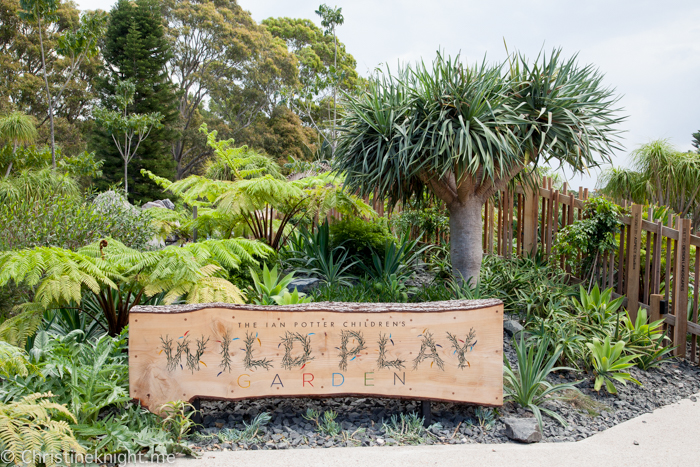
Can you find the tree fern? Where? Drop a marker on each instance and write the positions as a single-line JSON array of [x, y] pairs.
[[109, 269], [30, 426]]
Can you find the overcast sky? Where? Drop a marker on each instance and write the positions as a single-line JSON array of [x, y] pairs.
[[649, 51]]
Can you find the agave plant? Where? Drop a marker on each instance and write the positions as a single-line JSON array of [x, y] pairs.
[[316, 257], [528, 386], [269, 286], [397, 259], [608, 363]]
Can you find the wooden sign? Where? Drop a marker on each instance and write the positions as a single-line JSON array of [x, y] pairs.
[[449, 351]]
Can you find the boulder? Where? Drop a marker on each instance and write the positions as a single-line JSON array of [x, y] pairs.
[[303, 284], [512, 327], [109, 200], [160, 203], [524, 430]]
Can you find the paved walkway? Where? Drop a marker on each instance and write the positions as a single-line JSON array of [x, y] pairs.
[[667, 437]]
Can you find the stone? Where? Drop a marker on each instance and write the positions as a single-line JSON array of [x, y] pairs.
[[524, 430], [161, 203], [303, 284], [512, 327], [111, 199]]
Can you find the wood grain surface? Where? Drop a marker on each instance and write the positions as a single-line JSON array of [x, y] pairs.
[[217, 351]]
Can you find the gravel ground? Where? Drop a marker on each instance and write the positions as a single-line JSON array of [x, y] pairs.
[[362, 419]]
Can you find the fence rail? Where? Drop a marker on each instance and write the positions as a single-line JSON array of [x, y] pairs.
[[650, 267]]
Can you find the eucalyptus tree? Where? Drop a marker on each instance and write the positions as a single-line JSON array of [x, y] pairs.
[[465, 132], [331, 18], [17, 128], [73, 46]]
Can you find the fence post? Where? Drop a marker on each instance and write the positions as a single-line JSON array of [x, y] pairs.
[[633, 260], [655, 307], [530, 219], [680, 298]]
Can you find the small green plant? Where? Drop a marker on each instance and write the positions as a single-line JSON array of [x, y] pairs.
[[646, 340], [485, 417], [394, 288], [598, 306], [608, 363], [293, 298], [177, 419], [269, 286], [528, 386], [325, 422], [396, 261], [315, 255], [406, 429], [249, 433]]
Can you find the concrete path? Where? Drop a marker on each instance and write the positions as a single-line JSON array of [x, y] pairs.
[[670, 436]]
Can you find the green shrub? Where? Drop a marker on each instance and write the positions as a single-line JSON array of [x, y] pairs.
[[71, 223], [608, 363], [361, 236]]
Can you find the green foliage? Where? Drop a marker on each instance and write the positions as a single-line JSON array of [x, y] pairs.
[[598, 307], [405, 429], [32, 425], [325, 422], [397, 260], [314, 253], [136, 48], [528, 386], [608, 362], [177, 418], [71, 223], [589, 238], [646, 340], [249, 433], [293, 298], [361, 236], [121, 277], [271, 288]]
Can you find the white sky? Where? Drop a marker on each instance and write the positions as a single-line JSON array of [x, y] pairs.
[[648, 50]]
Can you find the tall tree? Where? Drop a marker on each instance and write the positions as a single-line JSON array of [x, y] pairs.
[[136, 49], [16, 128], [226, 67], [128, 131], [74, 46], [464, 132], [696, 141], [325, 67], [331, 18]]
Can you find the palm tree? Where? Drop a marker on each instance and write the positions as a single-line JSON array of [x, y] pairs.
[[659, 174], [463, 133], [17, 128]]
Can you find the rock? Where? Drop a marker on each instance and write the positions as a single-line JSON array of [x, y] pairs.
[[303, 284], [512, 327], [161, 203], [524, 430], [380, 441], [111, 199]]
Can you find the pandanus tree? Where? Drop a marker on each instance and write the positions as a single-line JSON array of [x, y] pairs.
[[464, 132]]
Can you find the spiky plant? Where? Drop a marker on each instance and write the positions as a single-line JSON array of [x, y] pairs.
[[120, 277], [31, 426], [464, 132]]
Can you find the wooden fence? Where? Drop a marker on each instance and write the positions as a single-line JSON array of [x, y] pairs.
[[650, 267]]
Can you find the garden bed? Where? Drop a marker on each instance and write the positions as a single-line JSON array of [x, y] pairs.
[[364, 421]]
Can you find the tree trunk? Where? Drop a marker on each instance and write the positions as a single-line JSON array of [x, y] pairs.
[[48, 97], [465, 239], [126, 181]]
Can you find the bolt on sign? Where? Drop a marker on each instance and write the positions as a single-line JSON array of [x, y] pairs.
[[448, 351]]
